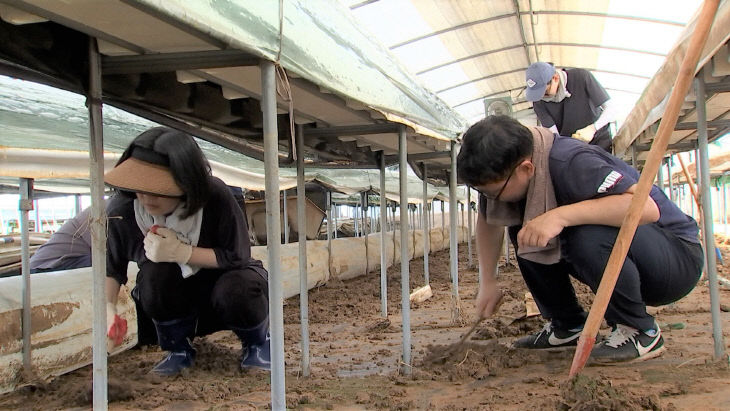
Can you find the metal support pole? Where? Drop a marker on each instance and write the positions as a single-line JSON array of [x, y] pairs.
[[413, 226], [328, 199], [660, 176], [709, 236], [443, 215], [433, 212], [364, 213], [454, 240], [37, 221], [285, 217], [77, 204], [462, 215], [404, 257], [506, 241], [469, 226], [633, 156], [426, 228], [383, 231], [98, 229], [392, 222], [355, 222], [724, 205], [24, 206], [335, 214], [698, 172], [302, 236], [420, 215], [670, 184], [273, 235]]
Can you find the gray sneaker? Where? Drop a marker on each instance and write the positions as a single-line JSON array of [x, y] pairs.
[[626, 344], [549, 338]]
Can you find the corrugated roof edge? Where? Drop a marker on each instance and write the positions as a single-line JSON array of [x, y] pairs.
[[647, 111], [322, 44]]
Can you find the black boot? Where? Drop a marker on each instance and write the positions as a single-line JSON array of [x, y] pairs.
[[256, 346], [175, 336]]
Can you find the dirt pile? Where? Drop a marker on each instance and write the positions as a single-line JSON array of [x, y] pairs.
[[583, 393], [356, 359]]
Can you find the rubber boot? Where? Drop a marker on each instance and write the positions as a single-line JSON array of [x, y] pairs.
[[175, 337], [256, 346]]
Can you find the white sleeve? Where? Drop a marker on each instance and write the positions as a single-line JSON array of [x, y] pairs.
[[607, 115], [554, 129]]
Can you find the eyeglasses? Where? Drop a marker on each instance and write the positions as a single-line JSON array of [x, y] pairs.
[[501, 190]]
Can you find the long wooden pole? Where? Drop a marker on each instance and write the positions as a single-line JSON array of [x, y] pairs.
[[654, 159]]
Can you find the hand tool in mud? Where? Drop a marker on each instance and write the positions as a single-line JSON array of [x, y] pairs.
[[631, 220], [455, 348], [470, 332]]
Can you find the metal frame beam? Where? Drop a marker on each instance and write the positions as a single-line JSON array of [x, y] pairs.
[[509, 91], [185, 27], [681, 146], [722, 123], [340, 131], [165, 62], [420, 156], [56, 18], [524, 13], [543, 43], [723, 86]]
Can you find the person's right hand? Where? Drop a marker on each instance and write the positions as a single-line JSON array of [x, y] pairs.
[[586, 133], [116, 327], [162, 246], [488, 301]]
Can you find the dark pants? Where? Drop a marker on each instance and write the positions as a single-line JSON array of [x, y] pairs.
[[602, 138], [220, 299], [66, 263], [659, 269]]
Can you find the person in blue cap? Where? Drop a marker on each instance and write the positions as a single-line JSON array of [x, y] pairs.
[[570, 102]]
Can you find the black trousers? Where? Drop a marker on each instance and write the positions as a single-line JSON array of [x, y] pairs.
[[659, 269], [602, 138], [220, 299]]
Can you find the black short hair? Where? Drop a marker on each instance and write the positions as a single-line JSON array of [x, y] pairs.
[[188, 164], [491, 148]]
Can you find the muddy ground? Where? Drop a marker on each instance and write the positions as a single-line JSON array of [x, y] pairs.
[[356, 358]]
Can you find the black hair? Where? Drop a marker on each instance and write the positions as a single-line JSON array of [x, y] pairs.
[[491, 148], [187, 163]]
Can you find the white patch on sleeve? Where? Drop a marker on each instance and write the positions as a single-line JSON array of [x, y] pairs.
[[611, 179]]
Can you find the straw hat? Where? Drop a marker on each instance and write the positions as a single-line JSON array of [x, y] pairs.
[[135, 174]]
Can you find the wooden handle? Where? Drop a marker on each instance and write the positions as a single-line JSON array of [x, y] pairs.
[[631, 220]]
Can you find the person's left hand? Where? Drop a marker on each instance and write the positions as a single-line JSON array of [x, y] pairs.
[[162, 246], [586, 133], [541, 229]]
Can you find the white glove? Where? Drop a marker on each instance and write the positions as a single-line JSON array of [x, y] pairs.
[[586, 133], [164, 247]]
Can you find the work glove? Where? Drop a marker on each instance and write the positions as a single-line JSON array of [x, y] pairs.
[[162, 246], [586, 133], [116, 327]]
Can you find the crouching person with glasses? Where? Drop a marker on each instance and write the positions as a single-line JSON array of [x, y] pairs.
[[563, 202]]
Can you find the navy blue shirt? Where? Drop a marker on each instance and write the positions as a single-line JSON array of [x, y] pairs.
[[581, 172]]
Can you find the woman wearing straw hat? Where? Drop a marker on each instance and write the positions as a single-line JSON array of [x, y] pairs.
[[190, 241]]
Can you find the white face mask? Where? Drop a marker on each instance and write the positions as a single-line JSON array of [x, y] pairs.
[[561, 92]]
